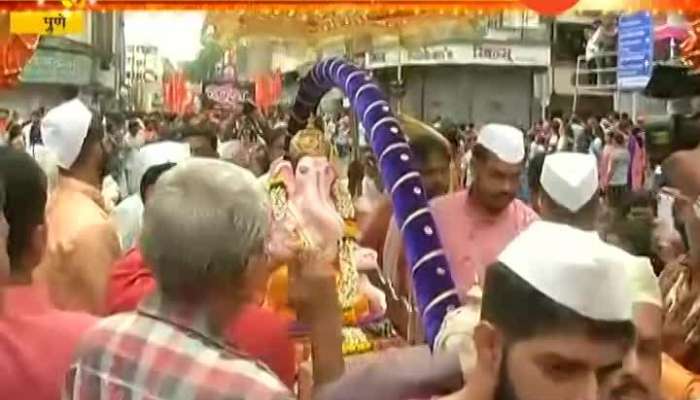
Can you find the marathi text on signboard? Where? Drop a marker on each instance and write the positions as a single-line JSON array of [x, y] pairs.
[[493, 53], [53, 23], [53, 66], [428, 54], [462, 54]]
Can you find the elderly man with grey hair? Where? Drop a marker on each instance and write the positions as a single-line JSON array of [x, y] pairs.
[[203, 235]]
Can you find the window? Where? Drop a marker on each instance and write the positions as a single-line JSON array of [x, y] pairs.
[[495, 21], [570, 42]]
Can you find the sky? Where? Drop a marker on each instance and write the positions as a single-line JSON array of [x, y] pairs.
[[176, 34]]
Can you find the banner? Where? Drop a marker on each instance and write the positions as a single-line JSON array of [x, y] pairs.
[[501, 54], [224, 95]]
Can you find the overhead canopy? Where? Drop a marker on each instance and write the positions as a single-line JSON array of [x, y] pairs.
[[360, 26]]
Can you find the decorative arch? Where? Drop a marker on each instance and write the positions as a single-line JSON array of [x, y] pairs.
[[435, 290]]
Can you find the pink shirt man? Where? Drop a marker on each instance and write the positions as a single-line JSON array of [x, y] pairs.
[[37, 343], [472, 237]]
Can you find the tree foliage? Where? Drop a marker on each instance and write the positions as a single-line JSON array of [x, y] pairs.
[[203, 68]]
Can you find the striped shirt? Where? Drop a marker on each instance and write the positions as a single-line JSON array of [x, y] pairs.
[[165, 351]]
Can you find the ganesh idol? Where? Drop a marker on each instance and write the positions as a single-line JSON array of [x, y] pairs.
[[311, 204]]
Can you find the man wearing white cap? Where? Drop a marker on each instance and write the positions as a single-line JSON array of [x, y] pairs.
[[82, 243], [129, 278], [477, 223], [556, 321], [569, 190], [568, 196], [128, 214], [569, 184]]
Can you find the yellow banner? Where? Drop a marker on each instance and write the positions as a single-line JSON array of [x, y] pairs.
[[54, 23]]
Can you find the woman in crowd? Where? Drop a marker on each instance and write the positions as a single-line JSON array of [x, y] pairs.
[[616, 171]]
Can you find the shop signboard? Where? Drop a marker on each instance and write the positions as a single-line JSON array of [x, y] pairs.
[[58, 67], [635, 50], [462, 54]]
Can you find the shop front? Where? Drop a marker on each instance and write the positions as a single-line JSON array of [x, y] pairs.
[[468, 82]]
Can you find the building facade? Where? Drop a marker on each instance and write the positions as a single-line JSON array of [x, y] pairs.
[[497, 71], [88, 63], [144, 70]]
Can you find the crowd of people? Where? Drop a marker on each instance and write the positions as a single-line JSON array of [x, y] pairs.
[[134, 250], [617, 142]]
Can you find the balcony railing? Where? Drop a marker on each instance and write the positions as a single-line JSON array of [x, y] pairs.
[[595, 76], [599, 73]]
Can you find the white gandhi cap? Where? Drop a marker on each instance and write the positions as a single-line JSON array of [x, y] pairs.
[[64, 129], [570, 179], [641, 279], [579, 271], [154, 154], [505, 141], [643, 282]]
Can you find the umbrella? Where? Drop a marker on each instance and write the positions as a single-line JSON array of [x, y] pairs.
[[665, 32]]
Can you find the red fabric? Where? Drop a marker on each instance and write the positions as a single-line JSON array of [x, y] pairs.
[[37, 343], [129, 283], [265, 336], [268, 90], [261, 95], [175, 89], [15, 52], [257, 331]]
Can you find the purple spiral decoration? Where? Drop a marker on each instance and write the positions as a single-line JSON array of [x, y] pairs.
[[435, 290]]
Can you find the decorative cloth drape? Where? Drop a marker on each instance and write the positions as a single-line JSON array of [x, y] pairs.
[[176, 96], [268, 90], [15, 52]]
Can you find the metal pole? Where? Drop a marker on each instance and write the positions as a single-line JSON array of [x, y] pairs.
[[577, 77], [635, 98], [399, 78], [672, 48], [354, 131]]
